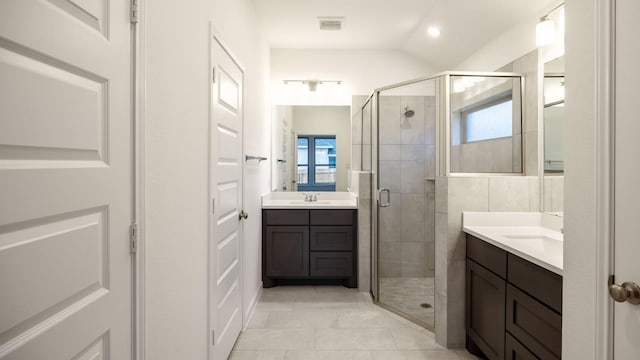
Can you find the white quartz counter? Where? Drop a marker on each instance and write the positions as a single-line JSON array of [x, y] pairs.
[[535, 237], [295, 200]]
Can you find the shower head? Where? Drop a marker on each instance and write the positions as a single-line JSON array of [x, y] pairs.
[[408, 112]]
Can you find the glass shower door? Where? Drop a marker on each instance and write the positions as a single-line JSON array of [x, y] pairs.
[[405, 168]]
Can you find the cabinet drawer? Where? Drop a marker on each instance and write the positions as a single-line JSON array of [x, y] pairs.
[[286, 217], [540, 283], [515, 351], [331, 217], [536, 326], [331, 238], [487, 255], [331, 264]]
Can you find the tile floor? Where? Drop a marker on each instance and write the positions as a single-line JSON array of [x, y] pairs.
[[332, 323], [406, 295]]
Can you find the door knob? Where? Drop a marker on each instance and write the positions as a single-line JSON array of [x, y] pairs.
[[243, 215], [628, 291]]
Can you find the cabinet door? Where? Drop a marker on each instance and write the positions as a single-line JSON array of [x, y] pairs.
[[287, 251], [331, 238], [485, 310]]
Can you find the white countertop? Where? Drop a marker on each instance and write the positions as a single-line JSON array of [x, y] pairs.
[[295, 200], [531, 236]]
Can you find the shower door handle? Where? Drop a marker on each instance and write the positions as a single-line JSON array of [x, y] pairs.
[[384, 203]]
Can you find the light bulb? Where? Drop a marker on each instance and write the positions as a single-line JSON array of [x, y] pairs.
[[433, 31], [545, 32]]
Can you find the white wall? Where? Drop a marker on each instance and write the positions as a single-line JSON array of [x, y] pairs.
[[328, 120], [177, 60], [514, 43], [361, 71], [580, 217]]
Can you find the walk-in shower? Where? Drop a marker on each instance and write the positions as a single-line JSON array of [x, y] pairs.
[[437, 126]]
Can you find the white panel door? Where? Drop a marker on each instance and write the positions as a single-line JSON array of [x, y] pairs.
[[627, 173], [65, 180], [225, 238]]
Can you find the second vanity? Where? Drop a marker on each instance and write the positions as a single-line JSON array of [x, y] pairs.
[[514, 285], [307, 242]]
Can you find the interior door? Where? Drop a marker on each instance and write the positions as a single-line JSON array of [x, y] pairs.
[[627, 171], [225, 239], [65, 180]]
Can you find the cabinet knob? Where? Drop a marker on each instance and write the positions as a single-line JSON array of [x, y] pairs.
[[628, 291]]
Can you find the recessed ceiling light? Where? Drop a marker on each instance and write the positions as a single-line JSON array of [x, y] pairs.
[[433, 31]]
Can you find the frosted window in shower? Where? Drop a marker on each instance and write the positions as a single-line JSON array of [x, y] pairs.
[[490, 122], [486, 124]]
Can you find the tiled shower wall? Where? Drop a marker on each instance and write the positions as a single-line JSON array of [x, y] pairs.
[[356, 131], [553, 193], [455, 195], [364, 231], [496, 193], [529, 66], [360, 183], [406, 166]]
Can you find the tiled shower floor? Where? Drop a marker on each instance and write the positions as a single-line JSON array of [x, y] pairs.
[[407, 294]]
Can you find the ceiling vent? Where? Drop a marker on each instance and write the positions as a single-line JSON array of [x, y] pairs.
[[331, 23]]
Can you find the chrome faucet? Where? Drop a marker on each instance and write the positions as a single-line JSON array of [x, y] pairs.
[[310, 197]]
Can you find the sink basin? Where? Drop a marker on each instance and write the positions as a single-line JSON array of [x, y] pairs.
[[530, 237], [535, 243], [302, 202]]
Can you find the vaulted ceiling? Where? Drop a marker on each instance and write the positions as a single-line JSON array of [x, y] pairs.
[[466, 25]]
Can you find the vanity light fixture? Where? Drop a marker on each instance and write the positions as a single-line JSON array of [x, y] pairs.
[[312, 85], [545, 31], [546, 28]]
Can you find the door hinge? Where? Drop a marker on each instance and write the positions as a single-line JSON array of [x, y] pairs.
[[213, 337], [133, 238], [134, 11], [213, 205], [213, 75]]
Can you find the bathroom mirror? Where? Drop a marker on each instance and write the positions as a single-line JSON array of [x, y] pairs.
[[310, 148], [553, 113]]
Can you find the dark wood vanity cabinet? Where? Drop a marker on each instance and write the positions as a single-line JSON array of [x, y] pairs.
[[302, 246], [513, 307]]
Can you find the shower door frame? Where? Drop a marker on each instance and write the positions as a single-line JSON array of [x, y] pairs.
[[442, 163]]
